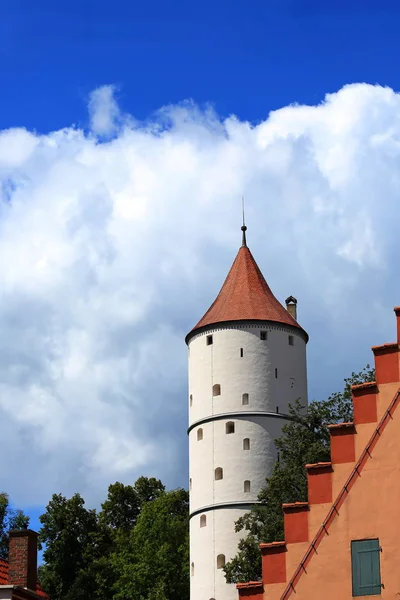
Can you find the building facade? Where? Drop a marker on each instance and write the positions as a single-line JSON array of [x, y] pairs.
[[247, 362], [344, 542]]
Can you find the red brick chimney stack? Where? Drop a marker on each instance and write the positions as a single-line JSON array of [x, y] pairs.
[[22, 559]]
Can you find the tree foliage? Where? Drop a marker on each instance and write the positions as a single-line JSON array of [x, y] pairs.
[[304, 440], [154, 563], [140, 531], [124, 502], [10, 520], [68, 530]]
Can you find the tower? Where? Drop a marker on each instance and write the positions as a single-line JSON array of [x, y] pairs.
[[247, 362]]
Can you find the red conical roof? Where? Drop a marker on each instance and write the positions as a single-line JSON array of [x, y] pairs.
[[245, 296]]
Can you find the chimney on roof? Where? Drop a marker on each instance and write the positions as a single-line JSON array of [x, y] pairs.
[[22, 559], [291, 306]]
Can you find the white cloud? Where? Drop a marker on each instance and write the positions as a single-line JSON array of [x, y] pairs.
[[111, 251], [104, 111]]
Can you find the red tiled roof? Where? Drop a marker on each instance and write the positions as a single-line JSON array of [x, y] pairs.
[[245, 295], [4, 579]]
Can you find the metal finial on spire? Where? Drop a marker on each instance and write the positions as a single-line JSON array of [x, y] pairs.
[[243, 228]]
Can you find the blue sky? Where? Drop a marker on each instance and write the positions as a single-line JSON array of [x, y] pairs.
[[244, 58], [123, 219]]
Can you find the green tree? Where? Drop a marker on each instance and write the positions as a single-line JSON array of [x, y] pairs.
[[68, 530], [79, 542], [124, 502], [304, 440], [153, 564], [10, 520]]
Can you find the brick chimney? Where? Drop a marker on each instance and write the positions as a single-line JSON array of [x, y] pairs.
[[22, 559], [291, 306]]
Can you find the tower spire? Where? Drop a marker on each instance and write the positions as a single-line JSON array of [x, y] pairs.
[[243, 228]]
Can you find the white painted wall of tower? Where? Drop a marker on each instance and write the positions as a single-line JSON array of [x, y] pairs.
[[272, 372], [206, 544]]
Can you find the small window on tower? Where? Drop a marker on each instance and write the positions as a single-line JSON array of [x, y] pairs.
[[241, 352], [203, 521], [219, 473], [216, 389], [191, 400], [245, 399], [199, 434], [263, 335], [230, 427], [190, 484], [192, 569], [276, 373], [246, 444], [209, 340], [246, 487], [291, 340], [220, 561]]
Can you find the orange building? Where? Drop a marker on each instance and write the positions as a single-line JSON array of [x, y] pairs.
[[345, 541]]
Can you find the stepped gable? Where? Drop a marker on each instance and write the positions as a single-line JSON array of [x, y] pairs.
[[352, 503], [245, 296]]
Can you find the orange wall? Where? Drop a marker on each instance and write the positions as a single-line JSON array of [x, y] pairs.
[[370, 510], [314, 562]]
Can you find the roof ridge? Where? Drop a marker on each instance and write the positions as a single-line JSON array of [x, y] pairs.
[[343, 494]]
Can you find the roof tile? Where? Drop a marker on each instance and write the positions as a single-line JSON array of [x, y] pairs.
[[245, 295], [4, 579]]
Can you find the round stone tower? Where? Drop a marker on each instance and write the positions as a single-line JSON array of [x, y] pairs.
[[247, 362]]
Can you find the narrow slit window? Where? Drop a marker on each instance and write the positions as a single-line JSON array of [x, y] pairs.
[[209, 340], [246, 444], [203, 521], [230, 427], [291, 340], [263, 335], [245, 399], [247, 486], [192, 569], [190, 484], [219, 473], [191, 400], [199, 434], [276, 373], [277, 409], [216, 389], [220, 561], [241, 352]]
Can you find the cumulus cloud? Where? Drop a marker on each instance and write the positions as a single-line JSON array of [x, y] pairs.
[[104, 111], [114, 242]]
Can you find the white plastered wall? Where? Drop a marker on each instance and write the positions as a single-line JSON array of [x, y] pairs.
[[273, 373]]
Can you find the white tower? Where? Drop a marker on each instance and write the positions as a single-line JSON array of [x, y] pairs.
[[247, 362]]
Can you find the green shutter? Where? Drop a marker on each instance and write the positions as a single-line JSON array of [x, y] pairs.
[[365, 555]]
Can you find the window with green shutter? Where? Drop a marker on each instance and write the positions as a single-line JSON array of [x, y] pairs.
[[365, 564]]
